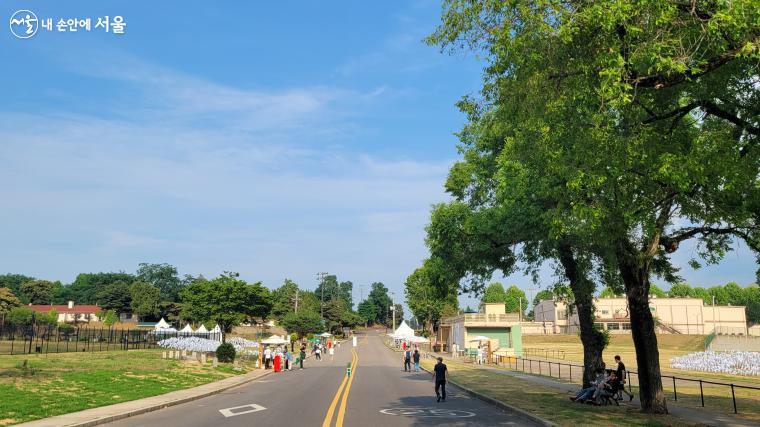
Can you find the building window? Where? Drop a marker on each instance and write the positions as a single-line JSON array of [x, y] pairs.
[[605, 312], [599, 325], [613, 326], [626, 326], [561, 314], [651, 309]]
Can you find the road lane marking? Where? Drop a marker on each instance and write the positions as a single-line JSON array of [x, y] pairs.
[[331, 410], [342, 410], [231, 412], [427, 412]]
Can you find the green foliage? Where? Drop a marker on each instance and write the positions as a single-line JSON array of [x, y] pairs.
[[329, 288], [284, 299], [399, 314], [87, 287], [162, 276], [368, 311], [14, 282], [225, 353], [302, 323], [115, 296], [515, 299], [379, 297], [225, 300], [427, 297], [21, 316], [145, 299], [494, 293], [8, 300], [38, 291], [108, 317], [65, 329]]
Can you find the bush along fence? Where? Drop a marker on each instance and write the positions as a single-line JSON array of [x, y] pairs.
[[570, 371], [63, 338]]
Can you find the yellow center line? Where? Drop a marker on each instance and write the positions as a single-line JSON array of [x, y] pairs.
[[331, 410], [342, 410]]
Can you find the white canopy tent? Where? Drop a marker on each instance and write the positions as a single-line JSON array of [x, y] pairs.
[[325, 334], [187, 329], [202, 330], [274, 339], [418, 340], [163, 327], [403, 331], [479, 338]]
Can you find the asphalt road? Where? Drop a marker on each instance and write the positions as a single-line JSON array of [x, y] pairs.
[[378, 394]]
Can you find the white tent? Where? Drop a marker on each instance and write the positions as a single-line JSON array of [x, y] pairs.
[[217, 329], [274, 339], [418, 340], [162, 324], [403, 331], [479, 338], [187, 329], [202, 330], [325, 334]]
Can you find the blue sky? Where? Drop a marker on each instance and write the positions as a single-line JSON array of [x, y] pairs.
[[277, 140]]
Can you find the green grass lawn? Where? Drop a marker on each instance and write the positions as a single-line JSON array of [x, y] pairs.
[[549, 403], [669, 345], [55, 384]]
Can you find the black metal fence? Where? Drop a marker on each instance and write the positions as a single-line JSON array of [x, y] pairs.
[[63, 338], [570, 371]]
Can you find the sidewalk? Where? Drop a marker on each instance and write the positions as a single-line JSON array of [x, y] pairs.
[[692, 415], [105, 414]]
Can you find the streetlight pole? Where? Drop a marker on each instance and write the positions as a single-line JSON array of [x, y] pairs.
[[393, 309]]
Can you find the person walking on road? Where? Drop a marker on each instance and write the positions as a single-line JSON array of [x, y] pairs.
[[318, 352], [302, 356], [440, 374], [416, 359], [407, 360]]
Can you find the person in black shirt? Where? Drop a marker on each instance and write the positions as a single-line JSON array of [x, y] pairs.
[[620, 373], [441, 374], [416, 359]]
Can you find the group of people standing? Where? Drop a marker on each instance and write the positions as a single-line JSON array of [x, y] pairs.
[[411, 356], [280, 359]]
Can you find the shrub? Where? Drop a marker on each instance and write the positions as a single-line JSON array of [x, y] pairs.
[[225, 353]]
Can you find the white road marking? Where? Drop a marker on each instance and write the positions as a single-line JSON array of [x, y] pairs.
[[232, 412], [427, 412]]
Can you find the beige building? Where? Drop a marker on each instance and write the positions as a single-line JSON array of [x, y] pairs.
[[70, 313], [673, 315]]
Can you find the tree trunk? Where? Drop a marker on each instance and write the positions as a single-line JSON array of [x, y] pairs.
[[583, 290], [635, 274]]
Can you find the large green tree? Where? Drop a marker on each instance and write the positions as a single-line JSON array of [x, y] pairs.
[[38, 291], [8, 301], [378, 295], [666, 90], [145, 300], [115, 296], [87, 287], [14, 282], [329, 288], [284, 299], [226, 300], [494, 292], [368, 311], [162, 276], [428, 299], [302, 323]]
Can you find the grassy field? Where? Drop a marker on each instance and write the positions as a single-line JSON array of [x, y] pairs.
[[669, 346], [547, 402], [717, 398], [39, 386]]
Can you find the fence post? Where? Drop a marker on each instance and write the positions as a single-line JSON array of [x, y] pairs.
[[571, 371], [701, 394], [675, 394], [629, 382], [733, 397]]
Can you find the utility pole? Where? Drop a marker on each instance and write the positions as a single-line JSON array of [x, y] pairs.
[[393, 310], [321, 279], [296, 300], [520, 313]]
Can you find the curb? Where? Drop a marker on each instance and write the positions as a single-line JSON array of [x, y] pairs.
[[70, 420], [499, 404]]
